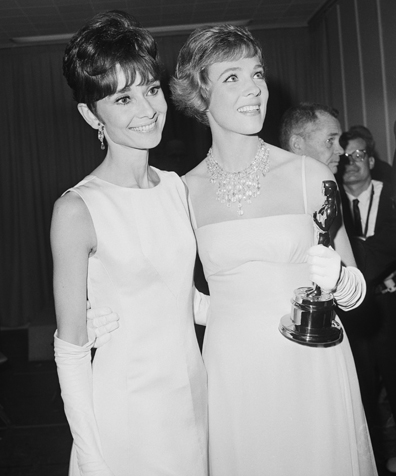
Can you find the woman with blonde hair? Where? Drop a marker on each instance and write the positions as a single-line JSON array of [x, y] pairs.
[[276, 407]]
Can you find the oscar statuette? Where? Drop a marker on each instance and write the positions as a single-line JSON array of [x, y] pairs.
[[311, 321]]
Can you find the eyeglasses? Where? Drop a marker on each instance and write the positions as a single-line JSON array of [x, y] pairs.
[[357, 155]]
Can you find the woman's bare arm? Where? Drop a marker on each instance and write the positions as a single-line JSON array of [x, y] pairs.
[[72, 240]]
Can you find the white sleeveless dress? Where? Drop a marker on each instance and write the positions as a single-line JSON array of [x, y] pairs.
[[150, 389], [276, 408]]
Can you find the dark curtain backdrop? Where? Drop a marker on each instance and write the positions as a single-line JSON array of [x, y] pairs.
[[46, 147], [320, 43]]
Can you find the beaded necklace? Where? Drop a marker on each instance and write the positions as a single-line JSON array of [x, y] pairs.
[[237, 187]]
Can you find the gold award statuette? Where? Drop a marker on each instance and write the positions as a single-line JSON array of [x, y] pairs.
[[311, 321]]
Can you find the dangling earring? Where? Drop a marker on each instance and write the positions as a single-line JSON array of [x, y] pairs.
[[101, 136]]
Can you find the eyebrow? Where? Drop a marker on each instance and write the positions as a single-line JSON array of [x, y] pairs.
[[123, 90], [128, 88], [238, 68]]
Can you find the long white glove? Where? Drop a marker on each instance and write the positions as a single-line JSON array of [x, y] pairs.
[[201, 307], [346, 283], [75, 378], [351, 288]]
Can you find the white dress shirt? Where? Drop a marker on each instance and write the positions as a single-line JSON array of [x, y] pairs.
[[364, 205]]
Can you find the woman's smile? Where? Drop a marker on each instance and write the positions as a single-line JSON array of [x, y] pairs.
[[135, 115], [238, 96], [249, 109], [145, 128]]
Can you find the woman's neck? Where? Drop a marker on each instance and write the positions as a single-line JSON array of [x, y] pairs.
[[235, 153], [129, 170]]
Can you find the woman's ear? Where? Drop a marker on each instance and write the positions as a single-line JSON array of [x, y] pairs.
[[88, 115]]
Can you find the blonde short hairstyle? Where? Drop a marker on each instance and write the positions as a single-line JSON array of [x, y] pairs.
[[204, 47]]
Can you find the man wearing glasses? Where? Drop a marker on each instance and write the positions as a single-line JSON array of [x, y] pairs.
[[370, 220]]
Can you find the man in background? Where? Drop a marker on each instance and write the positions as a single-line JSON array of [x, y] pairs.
[[314, 130], [369, 215], [381, 170]]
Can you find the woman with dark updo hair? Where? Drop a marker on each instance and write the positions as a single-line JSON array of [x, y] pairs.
[[122, 238]]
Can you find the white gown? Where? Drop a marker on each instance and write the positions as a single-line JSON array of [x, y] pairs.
[[149, 381], [276, 408]]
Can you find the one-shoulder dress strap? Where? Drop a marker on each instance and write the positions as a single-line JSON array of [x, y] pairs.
[[190, 207], [304, 184]]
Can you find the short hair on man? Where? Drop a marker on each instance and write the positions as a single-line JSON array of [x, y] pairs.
[[295, 120], [359, 132]]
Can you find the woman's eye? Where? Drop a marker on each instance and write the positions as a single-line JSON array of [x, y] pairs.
[[123, 100], [231, 78], [154, 90], [259, 75]]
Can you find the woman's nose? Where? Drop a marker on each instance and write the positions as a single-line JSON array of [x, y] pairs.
[[145, 108], [253, 89]]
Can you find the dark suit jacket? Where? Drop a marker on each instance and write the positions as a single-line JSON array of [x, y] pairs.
[[376, 256]]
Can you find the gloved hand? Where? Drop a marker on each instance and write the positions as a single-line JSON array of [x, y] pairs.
[[75, 378], [324, 267], [100, 323], [201, 307]]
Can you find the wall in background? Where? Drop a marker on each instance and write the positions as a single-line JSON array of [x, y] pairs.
[[354, 41], [47, 147], [345, 59]]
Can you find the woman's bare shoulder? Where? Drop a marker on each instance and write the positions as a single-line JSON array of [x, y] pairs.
[[72, 222], [279, 154], [318, 169], [316, 173], [282, 157], [70, 206], [314, 169]]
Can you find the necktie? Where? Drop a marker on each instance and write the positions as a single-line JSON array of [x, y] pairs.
[[357, 221]]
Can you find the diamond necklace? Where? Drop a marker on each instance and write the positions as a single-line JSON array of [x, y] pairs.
[[237, 187]]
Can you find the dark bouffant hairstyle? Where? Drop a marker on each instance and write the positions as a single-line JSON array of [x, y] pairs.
[[359, 132], [295, 120], [93, 53], [204, 47]]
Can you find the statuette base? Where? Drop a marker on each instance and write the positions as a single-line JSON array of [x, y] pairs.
[[312, 320]]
